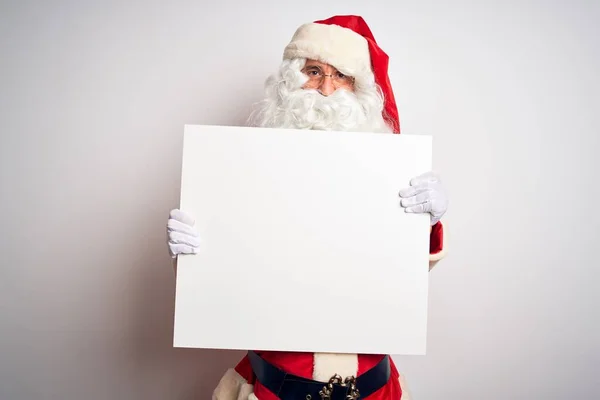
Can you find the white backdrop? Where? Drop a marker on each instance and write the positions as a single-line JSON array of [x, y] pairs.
[[93, 99]]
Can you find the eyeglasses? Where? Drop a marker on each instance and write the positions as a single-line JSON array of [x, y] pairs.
[[316, 76]]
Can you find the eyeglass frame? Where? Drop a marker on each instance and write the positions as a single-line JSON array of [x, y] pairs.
[[333, 78]]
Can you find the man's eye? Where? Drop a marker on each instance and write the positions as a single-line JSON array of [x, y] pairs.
[[313, 72], [341, 76]]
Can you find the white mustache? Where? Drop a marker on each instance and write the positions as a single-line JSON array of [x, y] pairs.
[[308, 109]]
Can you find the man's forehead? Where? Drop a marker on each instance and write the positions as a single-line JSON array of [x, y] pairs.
[[322, 65]]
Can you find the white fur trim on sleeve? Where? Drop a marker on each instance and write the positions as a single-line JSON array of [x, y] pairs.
[[340, 47], [433, 258], [232, 386]]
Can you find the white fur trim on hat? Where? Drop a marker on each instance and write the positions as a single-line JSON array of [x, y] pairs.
[[340, 47]]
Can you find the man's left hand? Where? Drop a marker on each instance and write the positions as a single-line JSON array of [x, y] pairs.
[[425, 194]]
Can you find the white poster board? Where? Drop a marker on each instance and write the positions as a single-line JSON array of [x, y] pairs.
[[305, 246]]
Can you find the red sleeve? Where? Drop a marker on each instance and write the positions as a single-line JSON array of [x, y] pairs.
[[245, 370], [436, 238]]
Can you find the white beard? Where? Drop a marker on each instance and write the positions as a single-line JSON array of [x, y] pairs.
[[287, 105]]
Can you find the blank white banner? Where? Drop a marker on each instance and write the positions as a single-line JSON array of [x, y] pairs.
[[305, 246]]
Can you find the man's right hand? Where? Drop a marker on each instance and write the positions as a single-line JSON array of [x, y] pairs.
[[183, 238]]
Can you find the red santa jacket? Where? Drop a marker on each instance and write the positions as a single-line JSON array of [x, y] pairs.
[[240, 383]]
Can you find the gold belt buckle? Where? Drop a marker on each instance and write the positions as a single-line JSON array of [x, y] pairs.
[[337, 379]]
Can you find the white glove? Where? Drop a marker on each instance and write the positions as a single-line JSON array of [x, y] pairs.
[[183, 238], [425, 194]]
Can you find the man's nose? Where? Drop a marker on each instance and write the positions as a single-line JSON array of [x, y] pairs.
[[326, 87]]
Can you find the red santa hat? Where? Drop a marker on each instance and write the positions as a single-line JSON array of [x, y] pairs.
[[346, 42]]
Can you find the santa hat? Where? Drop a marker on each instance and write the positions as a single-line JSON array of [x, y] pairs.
[[346, 43]]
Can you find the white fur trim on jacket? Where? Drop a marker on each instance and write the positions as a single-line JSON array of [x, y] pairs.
[[340, 47], [233, 386], [328, 364], [404, 388]]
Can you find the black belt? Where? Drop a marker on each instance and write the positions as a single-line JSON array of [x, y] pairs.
[[291, 387]]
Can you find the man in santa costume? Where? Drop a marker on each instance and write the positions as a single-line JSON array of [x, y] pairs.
[[333, 76]]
